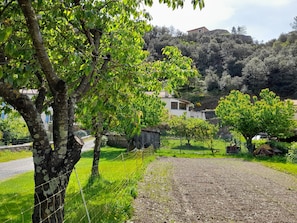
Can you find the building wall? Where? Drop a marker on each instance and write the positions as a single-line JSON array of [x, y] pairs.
[[179, 110], [198, 30]]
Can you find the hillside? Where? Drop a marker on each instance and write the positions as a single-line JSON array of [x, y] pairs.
[[230, 61]]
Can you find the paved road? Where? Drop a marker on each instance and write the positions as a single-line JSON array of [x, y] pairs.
[[12, 168]]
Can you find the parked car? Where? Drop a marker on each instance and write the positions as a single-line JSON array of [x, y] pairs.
[[261, 135]]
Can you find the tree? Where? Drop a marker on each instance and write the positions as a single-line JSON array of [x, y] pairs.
[[249, 116], [126, 107], [192, 128], [60, 48], [294, 23], [240, 30], [255, 75], [275, 115], [234, 31]]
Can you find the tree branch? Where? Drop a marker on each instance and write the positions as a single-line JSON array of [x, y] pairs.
[[6, 6], [23, 104], [85, 84], [36, 37]]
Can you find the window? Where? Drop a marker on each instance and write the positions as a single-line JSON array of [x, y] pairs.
[[182, 106], [174, 105]]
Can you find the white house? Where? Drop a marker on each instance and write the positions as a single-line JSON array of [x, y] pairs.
[[178, 107]]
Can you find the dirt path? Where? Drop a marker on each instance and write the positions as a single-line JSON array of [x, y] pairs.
[[215, 190]]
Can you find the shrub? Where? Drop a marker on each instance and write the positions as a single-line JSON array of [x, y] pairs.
[[292, 154], [282, 146], [14, 129]]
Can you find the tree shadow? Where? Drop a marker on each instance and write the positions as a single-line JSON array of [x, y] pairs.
[[190, 147]]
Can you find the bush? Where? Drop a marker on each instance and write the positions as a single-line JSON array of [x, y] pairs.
[[14, 129], [292, 154], [282, 146]]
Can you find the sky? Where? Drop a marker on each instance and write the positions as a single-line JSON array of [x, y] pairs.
[[264, 20]]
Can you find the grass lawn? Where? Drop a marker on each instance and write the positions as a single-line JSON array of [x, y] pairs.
[[179, 148], [7, 155], [109, 197]]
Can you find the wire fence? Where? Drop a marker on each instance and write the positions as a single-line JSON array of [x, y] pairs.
[[106, 198]]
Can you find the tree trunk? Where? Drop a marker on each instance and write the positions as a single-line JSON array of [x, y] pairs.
[[96, 156], [51, 181], [52, 166], [249, 144], [131, 144]]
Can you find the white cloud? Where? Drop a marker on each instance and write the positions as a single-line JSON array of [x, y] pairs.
[[187, 18]]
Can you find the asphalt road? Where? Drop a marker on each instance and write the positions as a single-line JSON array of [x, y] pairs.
[[15, 167]]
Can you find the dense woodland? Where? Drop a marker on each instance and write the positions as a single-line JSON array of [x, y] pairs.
[[228, 60]]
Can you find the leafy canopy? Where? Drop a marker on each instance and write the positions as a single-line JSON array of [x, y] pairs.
[[192, 128], [249, 116]]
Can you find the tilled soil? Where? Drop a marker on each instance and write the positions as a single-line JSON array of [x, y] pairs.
[[215, 190]]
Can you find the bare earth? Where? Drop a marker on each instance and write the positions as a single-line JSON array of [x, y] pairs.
[[214, 190]]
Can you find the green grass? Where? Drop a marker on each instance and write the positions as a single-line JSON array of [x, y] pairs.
[[16, 197], [7, 155], [109, 197], [178, 148], [172, 147]]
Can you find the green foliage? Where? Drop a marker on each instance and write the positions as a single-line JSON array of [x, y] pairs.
[[124, 105], [259, 142], [264, 114], [274, 115], [176, 4], [245, 64], [70, 50], [13, 127], [255, 75], [292, 153], [192, 128], [294, 23]]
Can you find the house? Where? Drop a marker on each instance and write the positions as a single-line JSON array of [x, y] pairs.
[[178, 107], [199, 30]]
